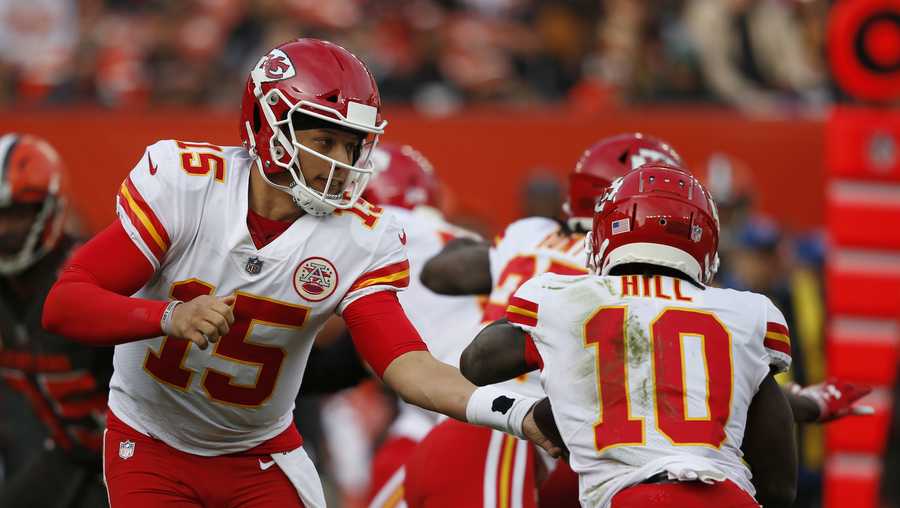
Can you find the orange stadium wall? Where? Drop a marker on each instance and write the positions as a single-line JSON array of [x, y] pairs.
[[483, 157]]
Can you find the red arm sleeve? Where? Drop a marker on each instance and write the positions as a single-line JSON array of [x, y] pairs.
[[90, 303], [380, 329]]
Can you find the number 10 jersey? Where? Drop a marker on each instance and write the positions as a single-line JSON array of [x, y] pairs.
[[650, 375]]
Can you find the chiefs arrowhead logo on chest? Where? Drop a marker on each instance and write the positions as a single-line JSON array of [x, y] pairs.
[[315, 279], [273, 67]]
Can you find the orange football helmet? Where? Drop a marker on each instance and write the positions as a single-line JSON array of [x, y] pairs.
[[31, 175]]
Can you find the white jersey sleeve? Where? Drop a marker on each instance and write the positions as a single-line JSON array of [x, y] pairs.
[[776, 338], [522, 232], [524, 305], [157, 200], [387, 267]]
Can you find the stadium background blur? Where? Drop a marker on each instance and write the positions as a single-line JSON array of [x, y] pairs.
[[502, 96]]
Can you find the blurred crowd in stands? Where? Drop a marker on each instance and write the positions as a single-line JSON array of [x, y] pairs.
[[763, 56]]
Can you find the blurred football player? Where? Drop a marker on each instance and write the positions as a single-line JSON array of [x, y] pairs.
[[661, 386], [221, 268], [64, 384], [496, 466], [405, 185]]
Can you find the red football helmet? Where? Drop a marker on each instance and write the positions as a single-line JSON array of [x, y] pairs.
[[323, 81], [605, 161], [403, 177], [659, 215], [31, 175]]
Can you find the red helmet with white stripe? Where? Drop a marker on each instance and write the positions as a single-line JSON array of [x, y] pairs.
[[403, 177], [659, 215], [31, 175], [310, 79], [607, 160]]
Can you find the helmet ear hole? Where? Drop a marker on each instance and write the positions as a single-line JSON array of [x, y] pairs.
[[257, 123]]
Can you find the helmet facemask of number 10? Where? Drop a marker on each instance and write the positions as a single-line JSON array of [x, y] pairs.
[[311, 82]]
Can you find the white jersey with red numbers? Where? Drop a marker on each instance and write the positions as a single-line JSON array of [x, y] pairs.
[[446, 323], [530, 247], [185, 207], [650, 375]]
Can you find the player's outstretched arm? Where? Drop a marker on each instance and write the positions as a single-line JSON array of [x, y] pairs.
[[463, 267], [496, 354], [827, 401], [90, 302], [770, 447], [389, 343], [422, 380]]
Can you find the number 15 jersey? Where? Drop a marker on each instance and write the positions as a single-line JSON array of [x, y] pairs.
[[650, 374], [185, 207]]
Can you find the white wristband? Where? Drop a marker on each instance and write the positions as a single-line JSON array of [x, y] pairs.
[[499, 409], [166, 321]]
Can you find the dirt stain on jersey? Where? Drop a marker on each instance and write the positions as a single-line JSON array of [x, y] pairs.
[[596, 492], [639, 350], [607, 283], [637, 342], [587, 364]]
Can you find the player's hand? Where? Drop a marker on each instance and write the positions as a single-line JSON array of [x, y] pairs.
[[204, 319], [533, 433], [835, 398]]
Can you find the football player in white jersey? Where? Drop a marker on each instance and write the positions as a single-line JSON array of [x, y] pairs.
[[405, 185], [533, 246], [223, 265], [495, 467], [661, 386]]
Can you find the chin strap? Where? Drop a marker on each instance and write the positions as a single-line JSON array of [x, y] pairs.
[[303, 202]]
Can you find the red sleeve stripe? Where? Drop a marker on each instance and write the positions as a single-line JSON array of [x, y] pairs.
[[521, 320], [777, 328], [521, 316], [148, 211], [777, 345], [396, 274], [779, 337], [145, 236], [523, 304], [143, 219]]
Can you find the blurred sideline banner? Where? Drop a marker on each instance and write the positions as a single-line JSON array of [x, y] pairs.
[[863, 298], [482, 156]]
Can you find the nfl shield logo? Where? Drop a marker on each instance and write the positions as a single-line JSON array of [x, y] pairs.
[[253, 266], [696, 233], [126, 449]]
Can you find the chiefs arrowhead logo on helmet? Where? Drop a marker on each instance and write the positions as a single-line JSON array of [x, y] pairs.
[[275, 66]]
